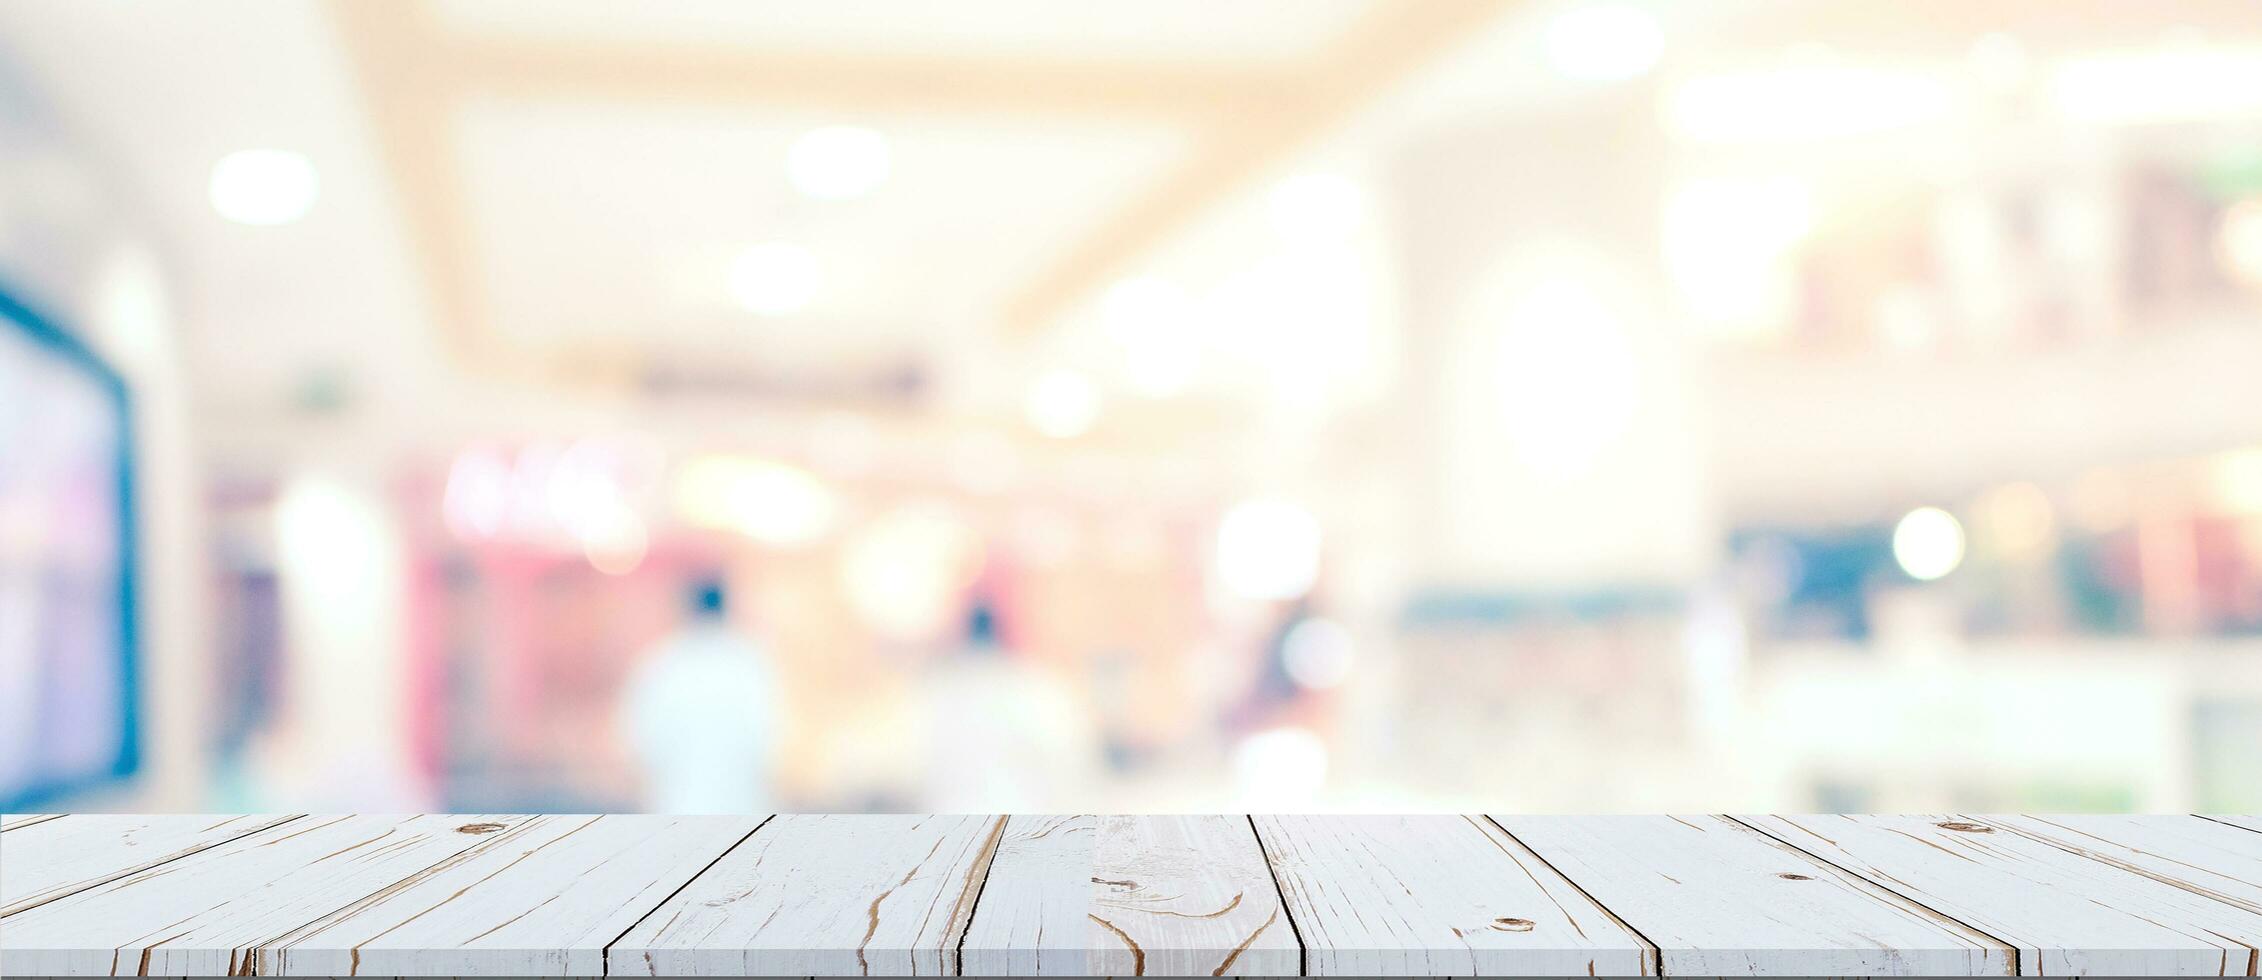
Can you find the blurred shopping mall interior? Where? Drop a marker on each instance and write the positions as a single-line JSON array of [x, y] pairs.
[[1184, 405]]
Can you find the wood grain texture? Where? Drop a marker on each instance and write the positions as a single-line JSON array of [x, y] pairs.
[[203, 915], [1173, 896], [1103, 895], [816, 895], [1437, 896], [1720, 899], [2066, 913], [2219, 861], [541, 899], [41, 861]]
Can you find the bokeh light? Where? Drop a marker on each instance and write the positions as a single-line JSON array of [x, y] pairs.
[[1604, 42], [264, 187], [2235, 480], [2015, 521], [1063, 404], [768, 502], [1268, 550], [903, 571], [1567, 381], [1928, 543], [2239, 243]]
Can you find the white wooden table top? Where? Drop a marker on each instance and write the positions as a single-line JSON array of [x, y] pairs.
[[815, 895]]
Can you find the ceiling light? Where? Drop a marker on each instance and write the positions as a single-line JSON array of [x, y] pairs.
[[1604, 42], [263, 187], [1812, 100], [775, 278], [838, 163], [2176, 83], [1063, 404]]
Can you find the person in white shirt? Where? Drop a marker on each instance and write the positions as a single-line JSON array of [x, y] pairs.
[[1003, 734], [702, 715]]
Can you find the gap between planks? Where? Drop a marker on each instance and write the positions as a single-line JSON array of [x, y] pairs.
[[966, 924], [1653, 956], [605, 955], [2017, 966], [2243, 823], [1264, 853], [973, 896], [99, 881]]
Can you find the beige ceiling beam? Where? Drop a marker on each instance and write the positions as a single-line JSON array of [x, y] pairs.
[[408, 102], [1388, 44], [1175, 92], [411, 92], [414, 75]]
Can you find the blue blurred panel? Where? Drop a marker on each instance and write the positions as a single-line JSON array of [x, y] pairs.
[[68, 701], [1818, 580]]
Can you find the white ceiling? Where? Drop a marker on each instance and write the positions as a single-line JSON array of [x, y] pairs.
[[613, 220], [603, 220], [616, 222], [154, 94]]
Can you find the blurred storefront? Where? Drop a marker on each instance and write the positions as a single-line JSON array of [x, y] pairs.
[[1352, 405]]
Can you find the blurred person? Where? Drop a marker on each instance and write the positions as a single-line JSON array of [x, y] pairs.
[[1003, 735], [702, 714], [1274, 697]]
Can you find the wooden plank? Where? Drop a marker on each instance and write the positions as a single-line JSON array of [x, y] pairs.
[[202, 915], [819, 895], [2067, 914], [12, 821], [1720, 899], [542, 899], [1172, 896], [41, 861], [1437, 896], [2216, 860]]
